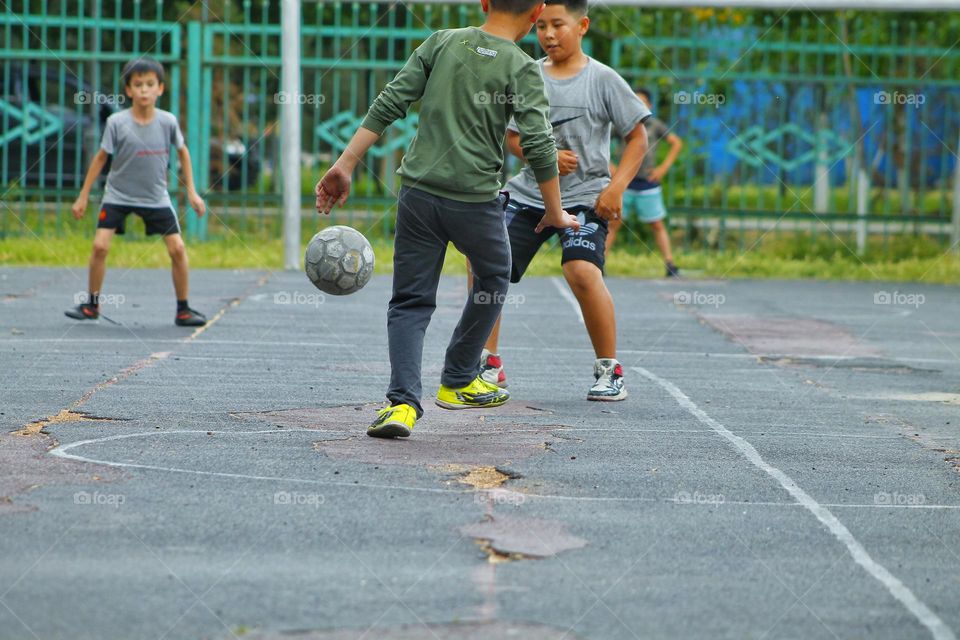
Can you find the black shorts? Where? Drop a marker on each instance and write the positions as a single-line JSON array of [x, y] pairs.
[[587, 244], [157, 220]]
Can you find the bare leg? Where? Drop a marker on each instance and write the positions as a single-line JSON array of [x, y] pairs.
[[662, 239], [179, 265], [98, 259], [596, 303], [613, 226]]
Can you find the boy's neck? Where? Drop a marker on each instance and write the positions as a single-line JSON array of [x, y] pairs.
[[569, 66], [144, 113], [506, 26]]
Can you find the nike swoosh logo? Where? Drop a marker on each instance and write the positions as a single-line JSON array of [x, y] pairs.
[[560, 122]]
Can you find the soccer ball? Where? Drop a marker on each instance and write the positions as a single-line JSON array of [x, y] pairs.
[[339, 260]]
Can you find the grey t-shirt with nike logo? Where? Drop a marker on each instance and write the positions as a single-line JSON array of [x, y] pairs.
[[141, 158], [583, 110]]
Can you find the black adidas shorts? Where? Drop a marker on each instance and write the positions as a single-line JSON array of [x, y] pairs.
[[159, 220], [586, 244]]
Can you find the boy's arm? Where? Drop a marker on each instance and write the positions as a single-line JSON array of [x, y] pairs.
[[660, 171], [610, 201], [406, 88], [196, 202], [96, 166], [334, 186], [566, 159], [391, 105], [513, 143]]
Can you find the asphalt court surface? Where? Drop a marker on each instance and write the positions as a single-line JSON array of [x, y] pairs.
[[786, 466]]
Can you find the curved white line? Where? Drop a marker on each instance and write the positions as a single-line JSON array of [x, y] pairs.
[[938, 629], [61, 452]]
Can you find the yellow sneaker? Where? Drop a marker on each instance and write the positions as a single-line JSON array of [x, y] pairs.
[[476, 395], [393, 422]]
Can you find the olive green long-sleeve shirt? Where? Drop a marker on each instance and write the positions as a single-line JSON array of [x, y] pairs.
[[471, 83]]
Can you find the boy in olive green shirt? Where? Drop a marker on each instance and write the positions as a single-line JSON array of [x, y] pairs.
[[471, 81]]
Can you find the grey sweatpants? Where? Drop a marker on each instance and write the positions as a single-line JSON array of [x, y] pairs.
[[425, 224]]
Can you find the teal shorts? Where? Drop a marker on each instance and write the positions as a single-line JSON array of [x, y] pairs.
[[647, 206]]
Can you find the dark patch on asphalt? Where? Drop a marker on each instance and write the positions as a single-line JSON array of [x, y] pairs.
[[452, 631], [26, 467], [865, 365], [790, 336], [524, 537], [472, 437]]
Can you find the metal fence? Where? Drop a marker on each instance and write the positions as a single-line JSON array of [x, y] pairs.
[[797, 122]]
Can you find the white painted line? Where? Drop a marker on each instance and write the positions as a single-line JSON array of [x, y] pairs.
[[938, 629], [568, 296]]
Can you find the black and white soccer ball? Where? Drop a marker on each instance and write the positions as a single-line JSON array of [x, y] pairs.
[[339, 260]]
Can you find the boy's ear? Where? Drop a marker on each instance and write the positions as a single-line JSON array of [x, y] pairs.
[[584, 24], [536, 12], [485, 5]]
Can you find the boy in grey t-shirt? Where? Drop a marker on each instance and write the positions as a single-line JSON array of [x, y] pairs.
[[587, 100], [139, 139]]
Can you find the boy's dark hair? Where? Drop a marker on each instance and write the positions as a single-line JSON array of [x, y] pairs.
[[576, 7], [644, 92], [516, 7], [142, 65]]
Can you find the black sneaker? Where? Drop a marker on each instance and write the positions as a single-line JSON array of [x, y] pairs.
[[190, 318], [85, 311], [672, 270]]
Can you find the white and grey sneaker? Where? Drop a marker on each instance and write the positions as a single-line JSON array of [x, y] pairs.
[[491, 369], [609, 386]]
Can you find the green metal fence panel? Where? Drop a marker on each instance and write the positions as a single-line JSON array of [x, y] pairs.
[[833, 125]]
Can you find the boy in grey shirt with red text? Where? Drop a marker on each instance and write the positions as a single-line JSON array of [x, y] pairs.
[[139, 139]]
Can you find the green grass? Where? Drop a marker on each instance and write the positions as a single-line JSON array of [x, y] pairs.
[[902, 259]]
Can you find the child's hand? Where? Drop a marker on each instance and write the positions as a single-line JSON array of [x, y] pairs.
[[197, 203], [333, 189], [563, 220], [609, 204], [566, 161], [656, 174], [79, 207]]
